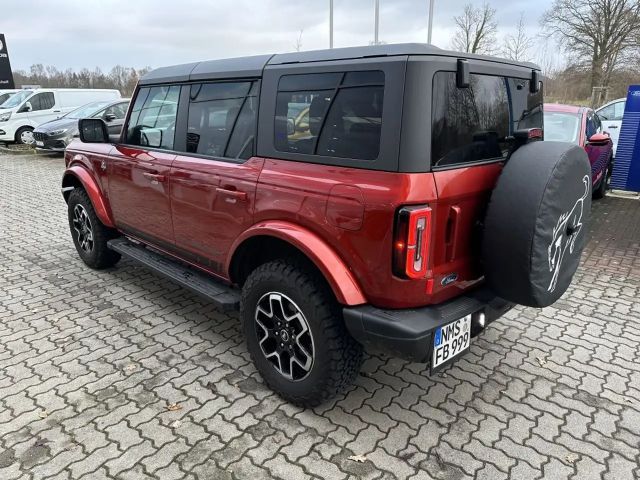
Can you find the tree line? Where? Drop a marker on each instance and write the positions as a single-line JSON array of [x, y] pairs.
[[601, 40], [121, 78]]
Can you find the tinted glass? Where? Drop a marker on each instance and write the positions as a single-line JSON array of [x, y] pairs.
[[561, 126], [330, 114], [469, 124], [299, 118], [353, 124], [243, 136], [214, 112], [42, 101], [153, 117], [592, 125]]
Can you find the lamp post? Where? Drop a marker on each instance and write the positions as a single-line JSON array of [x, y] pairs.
[[376, 21], [430, 21], [330, 23]]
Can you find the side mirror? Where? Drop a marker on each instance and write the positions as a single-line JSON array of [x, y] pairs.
[[27, 107], [599, 139], [109, 117], [93, 130]]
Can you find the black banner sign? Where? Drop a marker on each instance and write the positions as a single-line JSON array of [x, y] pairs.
[[6, 76]]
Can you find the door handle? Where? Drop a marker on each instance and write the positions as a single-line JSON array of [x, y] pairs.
[[57, 111], [242, 196], [612, 126], [154, 177]]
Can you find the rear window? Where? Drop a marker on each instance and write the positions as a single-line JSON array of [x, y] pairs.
[[474, 124], [330, 114]]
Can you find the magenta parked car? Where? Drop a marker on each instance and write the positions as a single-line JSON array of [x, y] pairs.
[[581, 125]]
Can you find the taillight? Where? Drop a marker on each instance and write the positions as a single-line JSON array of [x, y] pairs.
[[411, 242]]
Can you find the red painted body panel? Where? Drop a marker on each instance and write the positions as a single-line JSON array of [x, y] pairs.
[[212, 205], [316, 249], [139, 182], [81, 168], [201, 210]]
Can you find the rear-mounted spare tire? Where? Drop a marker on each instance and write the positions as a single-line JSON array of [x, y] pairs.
[[536, 223]]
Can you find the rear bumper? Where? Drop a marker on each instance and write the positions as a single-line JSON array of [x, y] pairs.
[[408, 333]]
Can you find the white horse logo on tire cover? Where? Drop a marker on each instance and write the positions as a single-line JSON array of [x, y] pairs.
[[562, 241]]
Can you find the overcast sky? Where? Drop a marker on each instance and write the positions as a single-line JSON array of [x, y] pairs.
[[137, 33]]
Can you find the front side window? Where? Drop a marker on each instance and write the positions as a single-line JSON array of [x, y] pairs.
[[42, 101], [615, 111], [119, 110], [592, 125], [330, 114], [215, 111], [475, 124], [153, 117]]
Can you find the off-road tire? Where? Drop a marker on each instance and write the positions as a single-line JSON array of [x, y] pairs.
[[601, 191], [337, 356], [19, 133], [100, 256]]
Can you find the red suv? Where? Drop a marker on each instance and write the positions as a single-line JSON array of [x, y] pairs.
[[391, 198]]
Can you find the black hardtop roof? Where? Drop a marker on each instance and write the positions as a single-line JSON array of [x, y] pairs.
[[253, 66]]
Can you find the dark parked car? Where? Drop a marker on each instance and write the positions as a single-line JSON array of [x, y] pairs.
[[57, 134], [382, 198], [582, 126]]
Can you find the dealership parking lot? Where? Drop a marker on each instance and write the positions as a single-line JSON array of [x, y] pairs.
[[121, 374]]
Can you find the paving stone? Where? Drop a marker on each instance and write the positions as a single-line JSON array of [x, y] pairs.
[[91, 360]]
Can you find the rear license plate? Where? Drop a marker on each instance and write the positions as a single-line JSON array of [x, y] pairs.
[[39, 143], [449, 341]]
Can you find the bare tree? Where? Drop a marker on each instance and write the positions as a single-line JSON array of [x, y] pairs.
[[599, 33], [517, 46], [476, 30], [298, 45]]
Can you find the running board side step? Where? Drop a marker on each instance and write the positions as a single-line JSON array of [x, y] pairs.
[[224, 297]]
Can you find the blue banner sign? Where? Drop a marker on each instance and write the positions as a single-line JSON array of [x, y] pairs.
[[626, 172]]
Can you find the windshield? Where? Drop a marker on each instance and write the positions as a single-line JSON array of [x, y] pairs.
[[561, 126], [87, 110], [17, 99]]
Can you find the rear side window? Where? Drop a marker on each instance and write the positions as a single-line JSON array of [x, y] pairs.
[[222, 119], [330, 114], [153, 117], [42, 101], [473, 124]]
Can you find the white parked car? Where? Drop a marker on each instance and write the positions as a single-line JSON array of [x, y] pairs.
[[611, 116], [27, 109]]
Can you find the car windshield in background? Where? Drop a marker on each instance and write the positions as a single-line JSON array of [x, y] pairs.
[[561, 126], [87, 110], [16, 99]]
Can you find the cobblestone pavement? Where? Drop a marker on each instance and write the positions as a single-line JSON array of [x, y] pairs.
[[121, 374]]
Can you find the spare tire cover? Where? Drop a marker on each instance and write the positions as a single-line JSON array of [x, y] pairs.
[[536, 223]]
